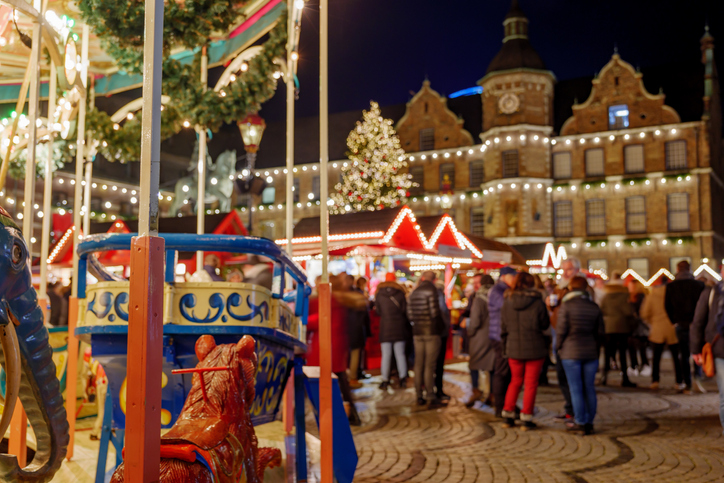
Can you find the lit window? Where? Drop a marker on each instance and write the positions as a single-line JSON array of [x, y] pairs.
[[477, 221], [640, 266], [633, 158], [618, 117], [636, 214], [676, 154], [595, 162], [563, 218], [268, 195], [678, 210], [477, 173], [562, 165], [510, 164], [427, 139], [595, 217], [447, 170]]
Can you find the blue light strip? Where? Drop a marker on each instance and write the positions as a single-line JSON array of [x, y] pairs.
[[470, 91]]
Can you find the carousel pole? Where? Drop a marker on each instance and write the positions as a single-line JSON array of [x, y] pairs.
[[145, 324], [47, 194], [72, 367], [325, 288], [201, 190], [19, 423], [289, 79], [87, 197]]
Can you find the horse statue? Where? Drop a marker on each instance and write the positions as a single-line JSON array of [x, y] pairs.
[[213, 439], [27, 353], [219, 182]]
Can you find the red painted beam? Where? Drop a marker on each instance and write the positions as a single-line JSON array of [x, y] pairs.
[[71, 374], [145, 358], [325, 382]]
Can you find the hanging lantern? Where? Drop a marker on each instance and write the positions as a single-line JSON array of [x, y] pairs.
[[252, 128]]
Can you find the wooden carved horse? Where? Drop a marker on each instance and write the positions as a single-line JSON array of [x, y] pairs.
[[213, 439]]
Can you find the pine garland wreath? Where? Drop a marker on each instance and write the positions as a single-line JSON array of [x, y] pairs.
[[373, 179], [62, 155], [190, 24]]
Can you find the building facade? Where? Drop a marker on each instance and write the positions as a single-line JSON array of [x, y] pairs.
[[624, 183]]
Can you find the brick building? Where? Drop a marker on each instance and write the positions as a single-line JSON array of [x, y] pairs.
[[622, 180]]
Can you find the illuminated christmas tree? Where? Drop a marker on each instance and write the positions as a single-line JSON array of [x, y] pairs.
[[373, 179]]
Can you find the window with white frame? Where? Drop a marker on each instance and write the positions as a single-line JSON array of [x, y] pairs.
[[636, 214], [268, 195], [596, 217], [640, 266], [477, 173], [595, 162], [562, 165], [598, 265], [427, 139], [633, 158], [447, 169], [676, 154], [477, 221], [510, 163], [418, 176], [677, 205], [563, 218]]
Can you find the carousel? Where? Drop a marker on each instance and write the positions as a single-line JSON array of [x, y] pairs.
[[173, 352]]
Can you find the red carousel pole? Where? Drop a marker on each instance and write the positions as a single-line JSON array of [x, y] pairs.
[[145, 324]]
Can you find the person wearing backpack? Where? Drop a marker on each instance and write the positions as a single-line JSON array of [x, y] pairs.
[[707, 328]]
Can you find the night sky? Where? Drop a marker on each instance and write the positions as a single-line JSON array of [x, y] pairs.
[[383, 49]]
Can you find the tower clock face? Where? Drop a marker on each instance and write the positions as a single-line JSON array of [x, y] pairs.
[[508, 103]]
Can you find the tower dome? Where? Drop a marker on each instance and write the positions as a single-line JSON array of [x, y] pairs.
[[517, 52]]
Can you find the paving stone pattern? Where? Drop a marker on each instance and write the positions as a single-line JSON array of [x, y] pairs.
[[640, 436]]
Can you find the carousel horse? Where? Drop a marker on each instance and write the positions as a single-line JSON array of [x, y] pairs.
[[213, 439], [219, 182], [27, 358]]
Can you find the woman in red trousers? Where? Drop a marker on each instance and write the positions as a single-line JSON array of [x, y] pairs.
[[342, 299], [524, 317]]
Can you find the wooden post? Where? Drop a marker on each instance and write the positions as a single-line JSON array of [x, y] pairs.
[[325, 289], [145, 322], [201, 171]]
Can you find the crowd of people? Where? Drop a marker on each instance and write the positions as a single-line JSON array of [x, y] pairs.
[[517, 327]]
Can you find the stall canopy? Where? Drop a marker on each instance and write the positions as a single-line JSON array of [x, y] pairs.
[[61, 254], [397, 231]]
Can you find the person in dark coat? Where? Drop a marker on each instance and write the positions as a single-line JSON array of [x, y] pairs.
[[524, 318], [618, 316], [580, 334], [357, 321], [395, 328], [423, 310], [440, 362], [500, 377], [708, 327], [680, 301], [482, 352]]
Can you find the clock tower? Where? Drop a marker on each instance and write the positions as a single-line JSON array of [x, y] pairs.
[[517, 102]]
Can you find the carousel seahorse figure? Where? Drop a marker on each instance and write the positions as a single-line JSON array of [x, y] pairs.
[[27, 358], [213, 440]]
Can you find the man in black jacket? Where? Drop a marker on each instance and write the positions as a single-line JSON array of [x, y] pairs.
[[708, 326], [423, 310], [682, 296]]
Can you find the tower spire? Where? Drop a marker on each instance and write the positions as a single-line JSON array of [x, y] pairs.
[[515, 23]]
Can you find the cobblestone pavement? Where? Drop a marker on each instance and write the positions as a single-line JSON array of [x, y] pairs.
[[641, 435]]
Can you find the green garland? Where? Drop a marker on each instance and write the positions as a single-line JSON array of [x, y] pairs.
[[119, 24], [62, 155]]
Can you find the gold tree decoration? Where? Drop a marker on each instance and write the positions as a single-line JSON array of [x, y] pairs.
[[374, 177]]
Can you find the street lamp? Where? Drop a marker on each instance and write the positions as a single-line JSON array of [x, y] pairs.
[[251, 128]]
